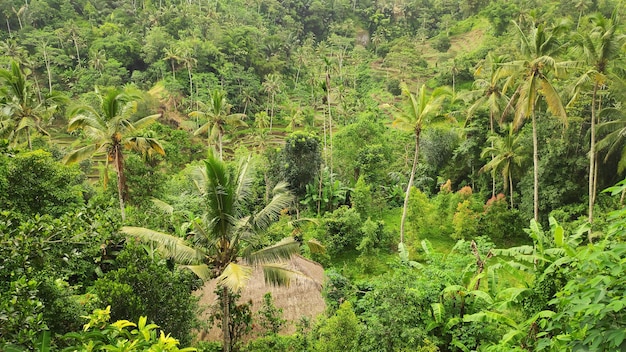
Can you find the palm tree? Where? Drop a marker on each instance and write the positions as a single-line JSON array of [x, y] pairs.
[[224, 243], [507, 154], [174, 56], [272, 87], [217, 113], [600, 47], [532, 71], [21, 106], [111, 131], [417, 111], [488, 94]]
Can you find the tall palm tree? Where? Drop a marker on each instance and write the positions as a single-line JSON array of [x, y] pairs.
[[21, 108], [507, 154], [600, 47], [217, 113], [487, 93], [530, 74], [225, 241], [418, 109], [272, 87], [111, 130]]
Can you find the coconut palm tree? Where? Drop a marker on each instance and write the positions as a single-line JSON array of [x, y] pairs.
[[21, 109], [417, 111], [530, 75], [111, 130], [272, 87], [225, 241], [488, 94], [507, 155], [600, 47], [217, 113]]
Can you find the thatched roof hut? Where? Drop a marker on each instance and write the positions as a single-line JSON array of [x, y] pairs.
[[302, 298]]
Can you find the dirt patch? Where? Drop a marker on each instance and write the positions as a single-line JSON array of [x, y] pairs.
[[302, 298]]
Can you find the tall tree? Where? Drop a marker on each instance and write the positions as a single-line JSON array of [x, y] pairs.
[[272, 86], [530, 74], [111, 130], [224, 243], [217, 113], [600, 47], [507, 154], [488, 94], [20, 107], [417, 111]]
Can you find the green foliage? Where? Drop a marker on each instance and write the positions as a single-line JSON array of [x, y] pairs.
[[270, 317], [441, 43], [340, 332], [500, 16], [21, 313], [38, 184], [239, 319], [121, 335], [143, 285], [301, 159], [501, 224], [464, 221], [342, 230]]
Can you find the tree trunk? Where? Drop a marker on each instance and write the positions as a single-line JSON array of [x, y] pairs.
[[272, 113], [219, 143], [45, 57], [330, 128], [9, 27], [418, 131], [511, 189], [226, 320], [535, 170], [30, 143], [592, 158], [77, 51], [121, 179]]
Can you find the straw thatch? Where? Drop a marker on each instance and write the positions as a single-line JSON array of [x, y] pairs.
[[302, 298]]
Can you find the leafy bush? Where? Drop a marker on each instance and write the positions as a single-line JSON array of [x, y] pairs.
[[342, 230], [38, 184], [122, 335], [144, 285]]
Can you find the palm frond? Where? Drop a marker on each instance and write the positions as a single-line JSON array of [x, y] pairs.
[[235, 276], [163, 206], [173, 246], [316, 246], [283, 250], [264, 218], [553, 100], [82, 153], [202, 271], [146, 121], [277, 274]]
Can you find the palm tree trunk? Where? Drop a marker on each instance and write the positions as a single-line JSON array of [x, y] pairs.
[[535, 170], [121, 180], [272, 113], [511, 189], [219, 143], [47, 62], [30, 143], [592, 157], [493, 175], [418, 131], [77, 51], [330, 130], [225, 320]]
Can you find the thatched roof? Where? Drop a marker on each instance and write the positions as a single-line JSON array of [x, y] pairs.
[[302, 298]]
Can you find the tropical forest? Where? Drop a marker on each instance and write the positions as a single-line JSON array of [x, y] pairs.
[[312, 175]]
